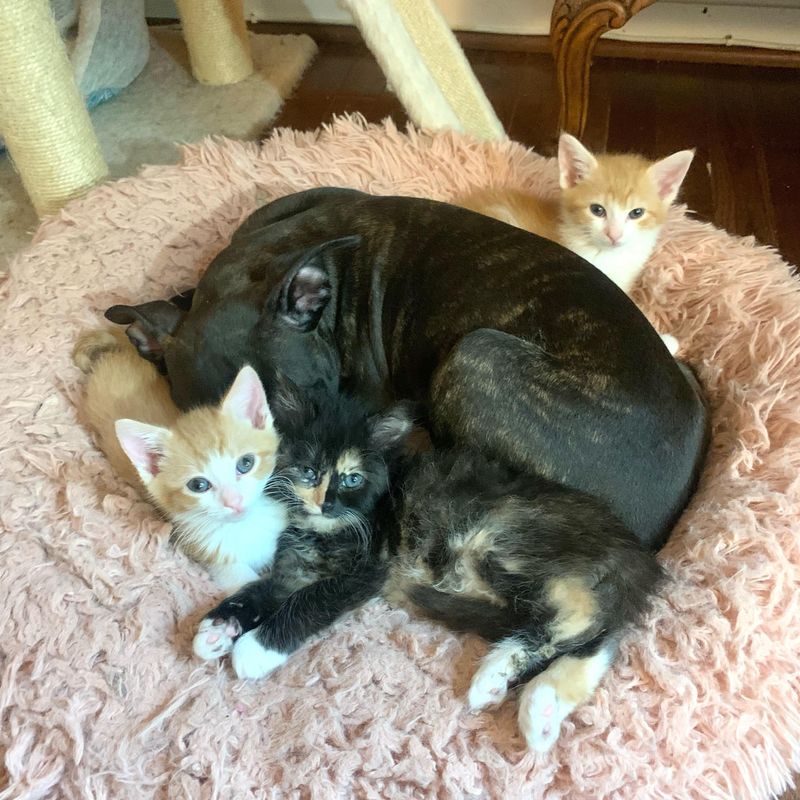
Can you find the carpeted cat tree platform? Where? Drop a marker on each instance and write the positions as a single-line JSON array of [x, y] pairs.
[[100, 694]]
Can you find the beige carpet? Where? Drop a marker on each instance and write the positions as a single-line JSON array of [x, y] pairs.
[[165, 105]]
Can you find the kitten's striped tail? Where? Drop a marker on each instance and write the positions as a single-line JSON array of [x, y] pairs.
[[92, 345]]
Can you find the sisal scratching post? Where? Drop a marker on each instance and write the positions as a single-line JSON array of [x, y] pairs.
[[425, 65], [216, 36], [42, 116]]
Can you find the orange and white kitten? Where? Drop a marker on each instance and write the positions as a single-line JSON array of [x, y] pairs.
[[610, 210], [205, 470]]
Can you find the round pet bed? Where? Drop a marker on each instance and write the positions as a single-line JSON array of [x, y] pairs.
[[101, 696]]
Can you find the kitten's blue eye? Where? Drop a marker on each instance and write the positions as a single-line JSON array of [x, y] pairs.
[[308, 475], [352, 481], [597, 210], [636, 213], [198, 485], [245, 464]]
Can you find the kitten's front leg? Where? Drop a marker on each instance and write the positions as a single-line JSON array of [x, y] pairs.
[[304, 613], [239, 613]]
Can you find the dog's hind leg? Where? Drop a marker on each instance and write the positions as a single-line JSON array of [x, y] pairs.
[[566, 419]]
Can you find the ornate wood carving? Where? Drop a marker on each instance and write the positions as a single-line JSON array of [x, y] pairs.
[[575, 27]]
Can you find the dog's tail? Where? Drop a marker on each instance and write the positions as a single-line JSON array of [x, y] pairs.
[[93, 345]]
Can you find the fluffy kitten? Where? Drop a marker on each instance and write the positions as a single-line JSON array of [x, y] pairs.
[[335, 462], [205, 470], [547, 573], [610, 211]]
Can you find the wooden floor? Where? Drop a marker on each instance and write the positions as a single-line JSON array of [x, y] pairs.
[[743, 121]]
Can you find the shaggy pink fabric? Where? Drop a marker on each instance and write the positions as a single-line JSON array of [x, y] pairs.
[[100, 695]]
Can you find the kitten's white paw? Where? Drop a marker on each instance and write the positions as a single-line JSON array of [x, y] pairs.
[[215, 637], [671, 343], [490, 683], [252, 660], [541, 713]]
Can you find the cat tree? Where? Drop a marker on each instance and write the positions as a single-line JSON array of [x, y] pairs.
[[49, 134], [43, 117]]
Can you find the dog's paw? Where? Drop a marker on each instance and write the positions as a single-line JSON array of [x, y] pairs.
[[541, 712], [215, 637], [252, 660]]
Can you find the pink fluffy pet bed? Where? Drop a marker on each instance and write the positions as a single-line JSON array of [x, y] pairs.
[[100, 695]]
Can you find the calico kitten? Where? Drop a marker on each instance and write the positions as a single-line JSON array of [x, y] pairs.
[[206, 470], [611, 209], [547, 573], [335, 463]]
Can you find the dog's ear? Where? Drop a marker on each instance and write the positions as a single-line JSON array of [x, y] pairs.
[[148, 326], [183, 300], [306, 288]]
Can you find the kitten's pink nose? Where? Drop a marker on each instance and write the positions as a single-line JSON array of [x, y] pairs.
[[614, 235], [233, 501]]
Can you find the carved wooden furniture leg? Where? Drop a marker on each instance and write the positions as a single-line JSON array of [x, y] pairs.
[[575, 27]]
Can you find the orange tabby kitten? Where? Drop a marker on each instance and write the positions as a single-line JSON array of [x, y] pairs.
[[206, 469], [610, 211]]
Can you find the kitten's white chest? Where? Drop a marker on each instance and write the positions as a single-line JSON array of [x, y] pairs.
[[622, 264], [251, 540]]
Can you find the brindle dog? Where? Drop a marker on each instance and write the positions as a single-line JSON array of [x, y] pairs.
[[515, 344]]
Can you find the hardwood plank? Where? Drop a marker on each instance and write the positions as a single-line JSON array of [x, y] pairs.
[[494, 71], [535, 119], [632, 99], [681, 123], [777, 119], [331, 69], [739, 181], [540, 44], [374, 108]]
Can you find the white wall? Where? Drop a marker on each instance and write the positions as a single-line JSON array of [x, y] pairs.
[[757, 23]]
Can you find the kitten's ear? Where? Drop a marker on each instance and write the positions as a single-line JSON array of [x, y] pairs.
[[575, 162], [668, 174], [306, 289], [144, 446], [149, 325], [391, 428], [246, 400]]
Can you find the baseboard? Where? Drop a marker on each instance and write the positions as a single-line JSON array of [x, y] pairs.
[[606, 48], [759, 23]]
